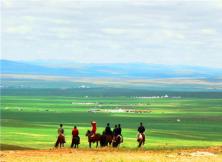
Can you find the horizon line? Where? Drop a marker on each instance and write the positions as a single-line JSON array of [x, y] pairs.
[[103, 63]]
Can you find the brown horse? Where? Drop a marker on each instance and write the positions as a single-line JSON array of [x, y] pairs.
[[106, 140], [93, 139], [140, 139], [109, 139], [75, 142], [60, 141]]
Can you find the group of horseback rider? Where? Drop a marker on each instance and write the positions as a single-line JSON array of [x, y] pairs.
[[108, 135], [117, 131]]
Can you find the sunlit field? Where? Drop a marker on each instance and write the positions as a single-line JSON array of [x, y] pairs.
[[112, 155], [31, 122]]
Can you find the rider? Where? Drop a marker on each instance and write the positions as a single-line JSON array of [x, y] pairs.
[[61, 132], [141, 130], [108, 130], [119, 132], [75, 133], [93, 132], [115, 132]]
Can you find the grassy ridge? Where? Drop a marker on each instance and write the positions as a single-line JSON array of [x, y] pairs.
[[32, 121]]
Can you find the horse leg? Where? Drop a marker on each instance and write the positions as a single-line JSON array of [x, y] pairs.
[[89, 144], [96, 144], [57, 143], [113, 144], [144, 138], [72, 144], [110, 142], [140, 143]]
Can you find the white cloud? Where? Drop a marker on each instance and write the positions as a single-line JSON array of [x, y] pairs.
[[156, 31], [22, 29], [7, 3], [38, 19], [63, 32], [114, 31], [209, 31]]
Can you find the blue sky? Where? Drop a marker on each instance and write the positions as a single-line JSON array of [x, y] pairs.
[[114, 31]]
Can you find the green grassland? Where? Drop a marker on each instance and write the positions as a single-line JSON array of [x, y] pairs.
[[31, 121]]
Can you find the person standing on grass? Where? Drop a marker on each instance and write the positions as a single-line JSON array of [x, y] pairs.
[[141, 130]]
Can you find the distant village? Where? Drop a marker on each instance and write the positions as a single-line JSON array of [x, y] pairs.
[[165, 96]]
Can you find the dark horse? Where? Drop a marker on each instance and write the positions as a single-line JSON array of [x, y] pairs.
[[116, 141], [96, 138], [140, 139], [75, 142], [109, 139], [106, 140], [60, 141]]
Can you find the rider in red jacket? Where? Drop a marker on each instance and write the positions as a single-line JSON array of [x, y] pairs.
[[75, 136], [75, 132], [93, 123]]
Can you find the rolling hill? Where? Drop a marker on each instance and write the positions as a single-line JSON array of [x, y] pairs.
[[131, 70]]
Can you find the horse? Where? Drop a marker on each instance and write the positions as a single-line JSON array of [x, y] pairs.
[[140, 139], [117, 140], [106, 139], [96, 138], [103, 141], [75, 142], [109, 139], [60, 141]]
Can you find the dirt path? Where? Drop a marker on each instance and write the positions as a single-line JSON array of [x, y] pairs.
[[112, 155]]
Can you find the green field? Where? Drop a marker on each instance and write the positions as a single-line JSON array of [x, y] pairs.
[[31, 121]]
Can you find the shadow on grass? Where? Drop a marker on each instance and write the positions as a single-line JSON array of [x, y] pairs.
[[13, 147]]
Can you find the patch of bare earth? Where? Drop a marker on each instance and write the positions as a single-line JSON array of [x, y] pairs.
[[213, 154]]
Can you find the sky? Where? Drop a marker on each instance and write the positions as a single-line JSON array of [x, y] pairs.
[[171, 32]]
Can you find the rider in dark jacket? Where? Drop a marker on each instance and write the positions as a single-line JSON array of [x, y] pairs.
[[115, 131], [108, 130], [141, 129], [119, 130]]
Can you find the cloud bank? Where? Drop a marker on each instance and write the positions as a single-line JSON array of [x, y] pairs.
[[152, 31]]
